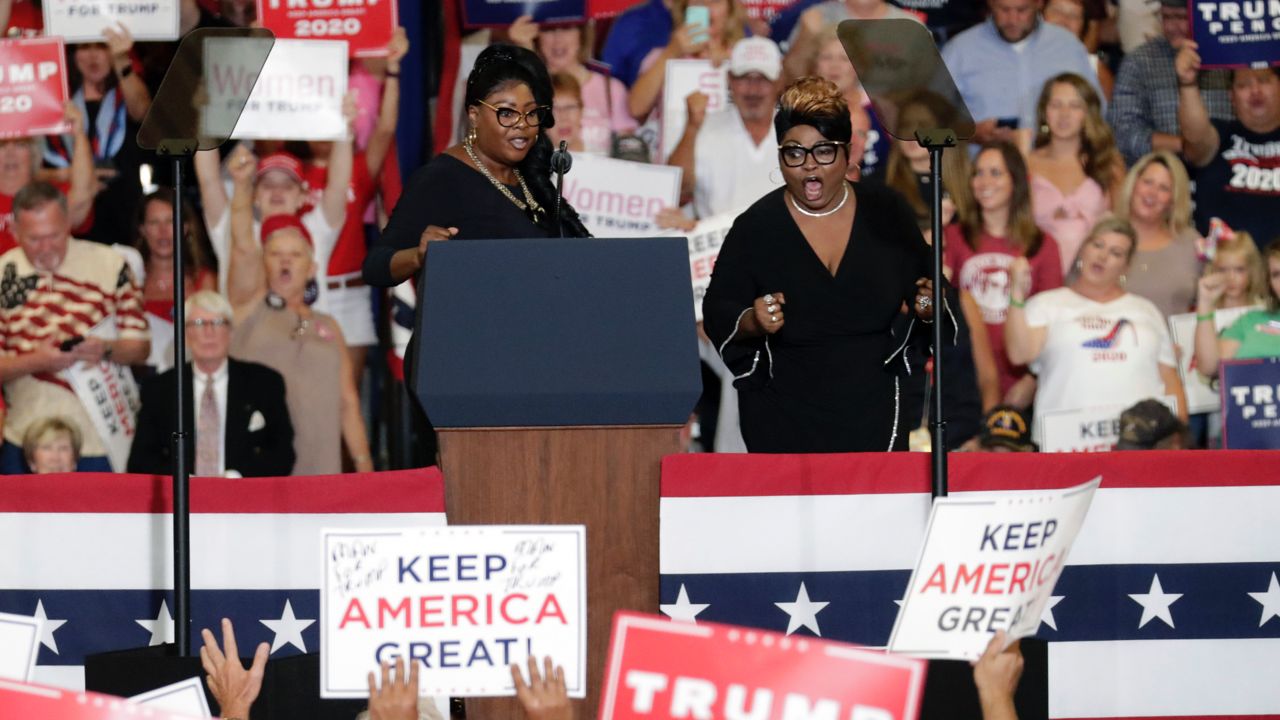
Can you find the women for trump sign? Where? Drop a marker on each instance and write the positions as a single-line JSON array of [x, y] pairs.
[[464, 601]]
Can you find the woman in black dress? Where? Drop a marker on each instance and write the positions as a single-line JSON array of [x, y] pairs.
[[806, 288], [496, 184]]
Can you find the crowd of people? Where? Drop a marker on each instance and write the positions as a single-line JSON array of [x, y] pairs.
[[1110, 184]]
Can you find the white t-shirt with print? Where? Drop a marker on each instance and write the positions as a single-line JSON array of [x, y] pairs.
[[1097, 354]]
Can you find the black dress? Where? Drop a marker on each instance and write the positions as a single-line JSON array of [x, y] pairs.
[[828, 380], [447, 192]]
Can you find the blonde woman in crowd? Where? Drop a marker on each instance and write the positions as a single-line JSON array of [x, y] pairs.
[[1074, 165], [1156, 200]]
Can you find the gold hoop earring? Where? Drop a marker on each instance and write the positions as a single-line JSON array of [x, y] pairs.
[[470, 139]]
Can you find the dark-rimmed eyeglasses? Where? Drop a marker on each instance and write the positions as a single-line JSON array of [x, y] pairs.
[[509, 117], [824, 153], [209, 323]]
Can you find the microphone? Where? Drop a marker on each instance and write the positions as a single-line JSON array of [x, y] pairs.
[[561, 161]]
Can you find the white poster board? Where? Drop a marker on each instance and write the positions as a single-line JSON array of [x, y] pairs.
[[704, 247], [1091, 429], [619, 197], [465, 601], [298, 95], [1202, 394], [83, 20], [110, 397], [683, 78], [988, 563], [19, 646], [184, 698]]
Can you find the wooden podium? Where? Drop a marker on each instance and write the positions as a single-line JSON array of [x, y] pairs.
[[558, 373]]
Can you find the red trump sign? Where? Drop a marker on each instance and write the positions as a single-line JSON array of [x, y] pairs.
[[663, 669], [366, 25], [33, 87], [21, 700]]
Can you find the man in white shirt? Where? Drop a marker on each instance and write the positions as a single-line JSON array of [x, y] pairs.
[[236, 411], [729, 156]]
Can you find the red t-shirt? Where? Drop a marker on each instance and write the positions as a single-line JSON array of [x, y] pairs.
[[25, 20], [348, 254], [985, 274]]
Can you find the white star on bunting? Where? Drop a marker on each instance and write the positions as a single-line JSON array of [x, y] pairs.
[[1046, 617], [288, 629], [683, 610], [1155, 603], [1270, 601], [803, 612], [161, 628], [47, 627]]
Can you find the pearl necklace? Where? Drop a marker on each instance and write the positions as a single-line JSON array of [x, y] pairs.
[[824, 213], [529, 202]]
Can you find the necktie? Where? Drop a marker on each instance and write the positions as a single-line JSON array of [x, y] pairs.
[[207, 432]]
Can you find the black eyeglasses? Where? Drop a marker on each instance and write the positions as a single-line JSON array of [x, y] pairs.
[[507, 117], [824, 153]]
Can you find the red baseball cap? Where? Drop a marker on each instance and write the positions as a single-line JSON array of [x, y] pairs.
[[283, 161], [285, 221]]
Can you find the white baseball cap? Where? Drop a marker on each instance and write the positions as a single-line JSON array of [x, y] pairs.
[[758, 55]]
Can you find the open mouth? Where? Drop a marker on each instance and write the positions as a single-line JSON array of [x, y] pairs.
[[520, 143], [812, 188]]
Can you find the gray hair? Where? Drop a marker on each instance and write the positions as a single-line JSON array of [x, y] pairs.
[[210, 301]]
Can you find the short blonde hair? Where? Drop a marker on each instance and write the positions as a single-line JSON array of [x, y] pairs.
[[1180, 211], [210, 301], [41, 430]]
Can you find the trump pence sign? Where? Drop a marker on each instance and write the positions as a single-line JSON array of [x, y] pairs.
[[465, 601]]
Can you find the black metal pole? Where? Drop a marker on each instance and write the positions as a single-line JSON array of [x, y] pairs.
[[939, 434], [181, 473]]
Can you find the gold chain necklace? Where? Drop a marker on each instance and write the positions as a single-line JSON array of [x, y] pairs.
[[528, 203]]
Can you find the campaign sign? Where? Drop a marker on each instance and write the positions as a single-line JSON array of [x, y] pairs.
[[84, 20], [1236, 33], [620, 197], [683, 78], [185, 697], [297, 96], [988, 563], [110, 397], [500, 13], [658, 668], [1202, 393], [704, 248], [464, 601], [23, 700], [1251, 404], [33, 87], [19, 645], [1091, 429], [366, 25]]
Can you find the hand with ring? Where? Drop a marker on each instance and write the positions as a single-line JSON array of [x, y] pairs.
[[924, 299], [767, 312]]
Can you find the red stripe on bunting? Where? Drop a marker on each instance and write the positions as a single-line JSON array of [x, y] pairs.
[[724, 475], [451, 59], [399, 491]]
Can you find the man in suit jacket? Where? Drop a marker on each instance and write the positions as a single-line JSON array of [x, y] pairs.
[[235, 410]]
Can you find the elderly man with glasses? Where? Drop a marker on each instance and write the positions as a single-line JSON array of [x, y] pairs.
[[239, 415]]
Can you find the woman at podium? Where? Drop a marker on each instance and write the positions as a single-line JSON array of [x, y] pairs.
[[807, 285], [495, 184]]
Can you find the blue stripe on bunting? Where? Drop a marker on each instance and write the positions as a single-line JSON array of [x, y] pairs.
[[1095, 605], [104, 620]]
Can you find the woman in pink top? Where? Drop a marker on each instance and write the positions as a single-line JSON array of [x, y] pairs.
[[1075, 167], [995, 228], [565, 49]]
